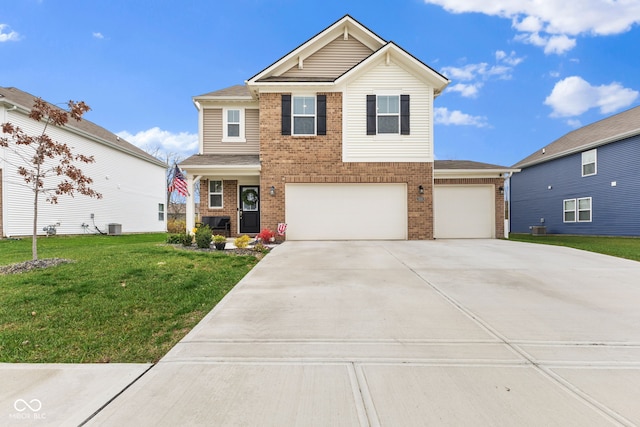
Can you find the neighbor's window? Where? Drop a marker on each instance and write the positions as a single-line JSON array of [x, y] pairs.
[[577, 210], [160, 211], [584, 209], [215, 194], [389, 114], [304, 115], [233, 125], [589, 163], [570, 210]]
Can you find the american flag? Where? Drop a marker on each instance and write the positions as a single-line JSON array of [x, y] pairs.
[[179, 183]]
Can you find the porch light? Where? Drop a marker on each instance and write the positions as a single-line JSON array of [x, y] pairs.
[[501, 189], [272, 191], [420, 189]]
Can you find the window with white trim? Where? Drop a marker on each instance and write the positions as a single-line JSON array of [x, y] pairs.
[[388, 114], [233, 125], [577, 210], [160, 211], [215, 194], [589, 162], [304, 115], [388, 109]]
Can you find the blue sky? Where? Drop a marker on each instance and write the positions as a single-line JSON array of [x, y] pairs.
[[523, 72]]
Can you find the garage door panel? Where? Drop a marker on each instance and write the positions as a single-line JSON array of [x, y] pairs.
[[464, 212], [346, 211]]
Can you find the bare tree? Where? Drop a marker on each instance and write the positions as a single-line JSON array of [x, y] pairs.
[[39, 159], [170, 159]]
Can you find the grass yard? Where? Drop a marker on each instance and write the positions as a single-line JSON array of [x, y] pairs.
[[623, 247], [124, 299]]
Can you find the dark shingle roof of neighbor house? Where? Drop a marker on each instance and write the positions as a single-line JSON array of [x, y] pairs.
[[620, 126], [221, 160], [25, 100]]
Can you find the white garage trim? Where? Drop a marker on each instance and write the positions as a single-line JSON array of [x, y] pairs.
[[346, 211], [464, 212]]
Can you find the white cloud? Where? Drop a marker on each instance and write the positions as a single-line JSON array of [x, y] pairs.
[[10, 36], [466, 90], [574, 123], [457, 118], [476, 74], [549, 23], [183, 143], [98, 36], [573, 96]]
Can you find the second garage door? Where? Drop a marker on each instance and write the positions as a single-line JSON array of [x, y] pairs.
[[464, 212], [346, 211]]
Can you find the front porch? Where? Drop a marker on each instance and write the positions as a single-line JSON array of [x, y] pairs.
[[229, 185]]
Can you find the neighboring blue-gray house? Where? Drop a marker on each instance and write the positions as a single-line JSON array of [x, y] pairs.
[[587, 182]]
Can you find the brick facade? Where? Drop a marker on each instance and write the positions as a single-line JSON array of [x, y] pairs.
[[499, 198], [318, 159], [229, 202]]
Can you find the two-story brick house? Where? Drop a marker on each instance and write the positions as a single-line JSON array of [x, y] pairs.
[[335, 139]]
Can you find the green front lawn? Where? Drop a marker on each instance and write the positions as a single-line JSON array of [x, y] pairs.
[[623, 247], [124, 299]]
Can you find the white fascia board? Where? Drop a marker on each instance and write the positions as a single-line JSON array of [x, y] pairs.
[[277, 87], [471, 173], [582, 148]]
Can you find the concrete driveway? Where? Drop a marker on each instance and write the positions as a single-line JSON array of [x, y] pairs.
[[447, 332]]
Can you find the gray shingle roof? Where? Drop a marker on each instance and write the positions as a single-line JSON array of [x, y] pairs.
[[464, 164], [611, 129], [24, 99], [231, 91], [221, 160]]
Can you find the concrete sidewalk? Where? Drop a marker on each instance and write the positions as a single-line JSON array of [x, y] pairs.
[[467, 332]]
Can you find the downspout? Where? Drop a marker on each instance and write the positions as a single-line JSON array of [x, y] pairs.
[[507, 229]]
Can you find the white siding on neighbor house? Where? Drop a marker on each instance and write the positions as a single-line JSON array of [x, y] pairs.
[[212, 132], [131, 188], [333, 60], [387, 79]]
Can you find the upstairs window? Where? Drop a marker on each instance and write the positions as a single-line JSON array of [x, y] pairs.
[[215, 194], [304, 115], [233, 125], [589, 163], [388, 114]]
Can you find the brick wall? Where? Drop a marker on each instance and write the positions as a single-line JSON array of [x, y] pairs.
[[318, 159], [499, 198], [229, 202]]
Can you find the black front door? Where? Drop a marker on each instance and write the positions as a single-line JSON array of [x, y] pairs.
[[249, 209]]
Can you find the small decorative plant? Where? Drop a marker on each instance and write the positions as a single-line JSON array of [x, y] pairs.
[[219, 242], [203, 237], [266, 236], [242, 241], [186, 239]]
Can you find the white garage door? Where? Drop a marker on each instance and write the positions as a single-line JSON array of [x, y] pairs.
[[464, 212], [346, 211]]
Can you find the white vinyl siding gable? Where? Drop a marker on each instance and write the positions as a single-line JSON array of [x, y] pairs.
[[383, 79]]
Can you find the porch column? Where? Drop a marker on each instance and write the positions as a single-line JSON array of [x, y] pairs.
[[190, 205]]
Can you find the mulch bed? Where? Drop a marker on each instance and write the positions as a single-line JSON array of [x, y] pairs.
[[22, 267]]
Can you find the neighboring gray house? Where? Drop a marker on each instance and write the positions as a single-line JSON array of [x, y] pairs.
[[586, 182]]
